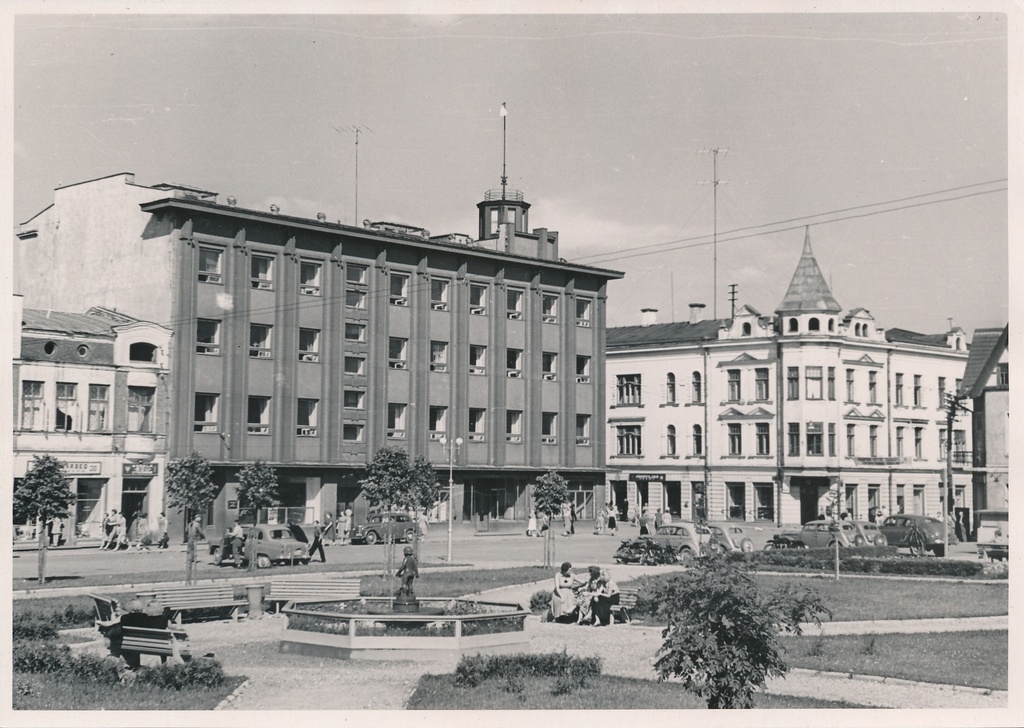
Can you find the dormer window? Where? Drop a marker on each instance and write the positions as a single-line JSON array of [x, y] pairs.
[[831, 324], [142, 351], [813, 324], [793, 326], [747, 329]]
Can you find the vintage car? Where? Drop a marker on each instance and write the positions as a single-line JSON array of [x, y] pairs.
[[899, 530], [380, 526], [993, 532], [275, 544], [683, 537], [732, 537], [825, 533]]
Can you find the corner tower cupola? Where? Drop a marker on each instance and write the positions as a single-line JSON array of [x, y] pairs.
[[503, 206], [808, 306]]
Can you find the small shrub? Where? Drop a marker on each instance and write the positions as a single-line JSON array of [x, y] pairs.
[[200, 672], [564, 684], [39, 656], [540, 601], [32, 626], [101, 669], [817, 648], [869, 646], [472, 670]]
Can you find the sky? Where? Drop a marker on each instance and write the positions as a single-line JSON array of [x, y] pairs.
[[887, 133]]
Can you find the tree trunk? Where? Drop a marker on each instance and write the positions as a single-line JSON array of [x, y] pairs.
[[190, 558], [41, 560]]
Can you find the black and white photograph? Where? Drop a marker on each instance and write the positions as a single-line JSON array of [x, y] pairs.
[[439, 357]]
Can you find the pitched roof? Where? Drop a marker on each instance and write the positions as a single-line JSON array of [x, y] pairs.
[[808, 290], [905, 336], [662, 334], [65, 323], [986, 348]]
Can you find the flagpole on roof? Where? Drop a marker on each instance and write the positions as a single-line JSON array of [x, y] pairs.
[[504, 124]]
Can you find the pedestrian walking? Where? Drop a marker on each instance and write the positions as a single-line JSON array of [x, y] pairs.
[[599, 521], [318, 544], [666, 517], [142, 535], [162, 527], [531, 525], [107, 527], [659, 520], [237, 535], [421, 520], [346, 525], [612, 525], [329, 528], [644, 521]]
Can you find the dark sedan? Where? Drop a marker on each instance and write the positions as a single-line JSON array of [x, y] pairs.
[[898, 529]]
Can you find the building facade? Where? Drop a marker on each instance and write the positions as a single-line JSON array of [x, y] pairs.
[[310, 345], [986, 388], [91, 390], [755, 418]]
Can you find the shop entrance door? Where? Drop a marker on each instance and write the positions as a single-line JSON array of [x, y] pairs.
[[134, 502]]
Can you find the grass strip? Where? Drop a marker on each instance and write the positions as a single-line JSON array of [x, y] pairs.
[[61, 692]]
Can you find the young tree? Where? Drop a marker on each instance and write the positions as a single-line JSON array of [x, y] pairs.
[[42, 495], [722, 633], [190, 488], [550, 491], [257, 489]]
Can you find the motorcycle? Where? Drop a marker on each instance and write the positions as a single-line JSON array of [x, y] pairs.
[[779, 541], [645, 551]]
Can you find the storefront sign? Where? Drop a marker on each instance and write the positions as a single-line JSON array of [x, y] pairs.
[[647, 477], [140, 470], [82, 468], [232, 505]]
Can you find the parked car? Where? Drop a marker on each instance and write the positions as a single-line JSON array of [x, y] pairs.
[[682, 537], [733, 537], [824, 533], [870, 533], [275, 544], [993, 532], [379, 526], [898, 530]]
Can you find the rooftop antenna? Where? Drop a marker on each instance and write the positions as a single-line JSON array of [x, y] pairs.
[[357, 129], [950, 319], [504, 125], [714, 182], [732, 300]]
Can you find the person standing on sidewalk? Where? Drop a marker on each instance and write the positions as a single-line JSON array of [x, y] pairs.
[[346, 525], [162, 526], [107, 527], [423, 523], [317, 544], [330, 528]]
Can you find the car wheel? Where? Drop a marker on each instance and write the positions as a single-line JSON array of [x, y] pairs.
[[410, 535], [371, 538], [218, 555], [747, 545], [262, 561], [939, 551], [714, 547], [881, 540], [859, 541]]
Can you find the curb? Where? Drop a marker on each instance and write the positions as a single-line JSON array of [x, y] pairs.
[[234, 695], [899, 681]]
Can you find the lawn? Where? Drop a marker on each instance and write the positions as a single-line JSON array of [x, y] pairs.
[[978, 659], [60, 692], [438, 692]]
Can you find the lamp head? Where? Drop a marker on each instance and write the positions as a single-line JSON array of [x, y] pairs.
[[458, 441]]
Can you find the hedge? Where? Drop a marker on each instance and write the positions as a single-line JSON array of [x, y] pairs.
[[867, 560]]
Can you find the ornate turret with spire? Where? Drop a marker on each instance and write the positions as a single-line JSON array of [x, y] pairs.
[[809, 299]]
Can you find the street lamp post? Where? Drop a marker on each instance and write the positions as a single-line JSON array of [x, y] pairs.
[[452, 446]]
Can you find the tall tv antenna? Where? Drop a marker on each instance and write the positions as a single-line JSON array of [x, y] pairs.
[[714, 183], [504, 127], [357, 129]]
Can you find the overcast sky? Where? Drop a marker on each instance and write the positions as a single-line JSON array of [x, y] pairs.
[[823, 116]]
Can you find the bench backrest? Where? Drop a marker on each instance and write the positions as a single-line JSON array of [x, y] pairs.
[[315, 588], [149, 641], [627, 597], [106, 608], [213, 594]]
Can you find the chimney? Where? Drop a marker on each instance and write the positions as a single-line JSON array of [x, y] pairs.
[[697, 312], [648, 316]]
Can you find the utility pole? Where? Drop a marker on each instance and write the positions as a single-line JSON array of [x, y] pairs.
[[732, 300], [714, 187], [357, 129], [952, 406]]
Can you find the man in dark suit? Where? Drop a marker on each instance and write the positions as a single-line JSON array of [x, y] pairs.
[[317, 544]]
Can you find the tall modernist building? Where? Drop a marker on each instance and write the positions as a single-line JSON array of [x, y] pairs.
[[756, 417], [310, 344]]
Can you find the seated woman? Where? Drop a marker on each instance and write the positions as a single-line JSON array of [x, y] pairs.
[[563, 597], [607, 595], [585, 597]]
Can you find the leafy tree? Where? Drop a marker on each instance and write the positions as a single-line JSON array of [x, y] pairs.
[[44, 494], [257, 489], [722, 633], [190, 488], [550, 491], [393, 483]]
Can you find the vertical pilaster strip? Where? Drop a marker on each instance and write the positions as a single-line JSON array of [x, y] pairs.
[[235, 351], [182, 344]]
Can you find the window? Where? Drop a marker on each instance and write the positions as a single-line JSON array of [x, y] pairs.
[[899, 389], [306, 418], [439, 294], [514, 307], [917, 390], [99, 404], [629, 389], [670, 441], [396, 352], [763, 438], [583, 312], [698, 388], [352, 433], [670, 388], [207, 336], [355, 365], [439, 356], [698, 440], [67, 403], [793, 383], [209, 265], [355, 274], [514, 363], [942, 392], [582, 429], [832, 384], [1002, 375], [831, 439], [355, 332], [259, 341], [261, 273], [354, 399], [793, 432], [477, 299], [747, 329], [851, 441], [628, 439], [549, 308], [309, 278], [355, 298], [438, 422], [396, 421], [399, 289], [793, 326], [140, 408], [813, 375], [899, 441], [872, 387], [513, 426], [32, 406], [813, 324], [761, 384], [918, 439], [850, 390], [873, 441], [942, 442], [549, 366], [815, 434], [477, 423], [582, 369], [548, 428], [205, 413], [764, 495], [258, 417], [309, 343], [141, 351], [737, 493], [477, 359], [734, 385], [735, 439]]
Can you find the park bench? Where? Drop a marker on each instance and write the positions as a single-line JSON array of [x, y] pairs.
[[161, 642], [106, 612], [627, 602], [310, 590], [177, 600]]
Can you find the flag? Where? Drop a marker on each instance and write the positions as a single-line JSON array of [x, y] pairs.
[[504, 111]]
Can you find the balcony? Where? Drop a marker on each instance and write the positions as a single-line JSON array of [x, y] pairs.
[[963, 457]]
